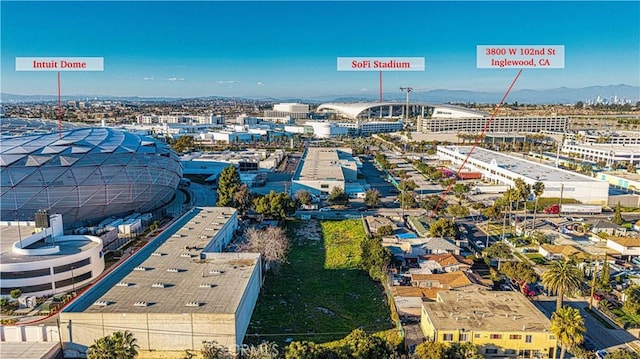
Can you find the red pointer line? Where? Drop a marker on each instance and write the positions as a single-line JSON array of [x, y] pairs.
[[59, 109], [480, 136]]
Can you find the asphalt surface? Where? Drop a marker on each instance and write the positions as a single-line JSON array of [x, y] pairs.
[[598, 334]]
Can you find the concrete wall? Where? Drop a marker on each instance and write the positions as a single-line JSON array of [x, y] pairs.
[[32, 333], [155, 332]]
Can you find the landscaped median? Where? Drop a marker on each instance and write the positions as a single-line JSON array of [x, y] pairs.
[[320, 294]]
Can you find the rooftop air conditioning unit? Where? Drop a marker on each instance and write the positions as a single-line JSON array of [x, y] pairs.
[[140, 304]]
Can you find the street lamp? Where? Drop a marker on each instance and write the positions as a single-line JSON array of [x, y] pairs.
[[408, 89]]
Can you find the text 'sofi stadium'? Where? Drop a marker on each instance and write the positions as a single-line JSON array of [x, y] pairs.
[[85, 174]]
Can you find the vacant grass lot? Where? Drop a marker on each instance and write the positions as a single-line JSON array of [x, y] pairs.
[[320, 295]]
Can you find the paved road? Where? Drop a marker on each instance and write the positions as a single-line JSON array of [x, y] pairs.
[[599, 335]]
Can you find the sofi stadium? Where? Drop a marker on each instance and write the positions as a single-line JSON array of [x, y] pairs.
[[85, 174]]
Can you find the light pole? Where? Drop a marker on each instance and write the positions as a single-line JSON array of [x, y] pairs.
[[408, 90]]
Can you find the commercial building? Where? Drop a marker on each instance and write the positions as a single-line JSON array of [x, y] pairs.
[[175, 293], [321, 169], [622, 179], [85, 174], [362, 128], [284, 112], [621, 138], [326, 129], [608, 153], [502, 324], [498, 124], [186, 119], [504, 169], [46, 262]]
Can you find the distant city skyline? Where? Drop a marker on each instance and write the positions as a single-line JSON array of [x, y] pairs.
[[289, 49]]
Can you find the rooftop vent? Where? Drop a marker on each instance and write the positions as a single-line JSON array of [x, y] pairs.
[[185, 255], [158, 285], [193, 304], [206, 285], [173, 270], [123, 284], [140, 268], [215, 271], [140, 304], [157, 254], [101, 303]]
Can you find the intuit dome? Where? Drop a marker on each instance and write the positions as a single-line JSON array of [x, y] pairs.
[[85, 174]]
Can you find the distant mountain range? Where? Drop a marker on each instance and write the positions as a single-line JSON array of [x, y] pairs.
[[562, 95]]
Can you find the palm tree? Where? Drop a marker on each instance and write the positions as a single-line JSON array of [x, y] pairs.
[[538, 190], [102, 348], [568, 326], [563, 277], [126, 346], [523, 190]]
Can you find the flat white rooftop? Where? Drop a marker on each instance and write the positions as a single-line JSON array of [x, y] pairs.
[[522, 167]]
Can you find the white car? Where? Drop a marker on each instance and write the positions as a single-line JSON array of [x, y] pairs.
[[325, 209]]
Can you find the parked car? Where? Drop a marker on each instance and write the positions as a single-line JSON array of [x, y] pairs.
[[325, 209], [363, 209]]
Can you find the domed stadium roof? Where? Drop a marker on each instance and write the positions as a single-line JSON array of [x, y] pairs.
[[85, 174]]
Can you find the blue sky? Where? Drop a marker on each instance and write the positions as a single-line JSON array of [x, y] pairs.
[[287, 49]]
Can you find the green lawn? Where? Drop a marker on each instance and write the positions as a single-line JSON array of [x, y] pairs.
[[537, 258], [320, 295]]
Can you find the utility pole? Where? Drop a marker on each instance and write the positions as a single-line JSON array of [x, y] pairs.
[[408, 90], [593, 281]]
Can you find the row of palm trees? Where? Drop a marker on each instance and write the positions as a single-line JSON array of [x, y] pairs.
[[564, 277]]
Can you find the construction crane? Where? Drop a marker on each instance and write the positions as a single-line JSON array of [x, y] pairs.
[[408, 90]]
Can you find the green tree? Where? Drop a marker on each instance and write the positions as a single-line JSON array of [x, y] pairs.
[[463, 350], [493, 212], [622, 354], [632, 303], [15, 293], [460, 190], [443, 227], [568, 326], [519, 270], [604, 283], [125, 345], [375, 258], [538, 237], [523, 190], [372, 198], [562, 277], [277, 205], [382, 160], [304, 197], [304, 350], [243, 199], [458, 210], [617, 216], [538, 190], [431, 350], [102, 348], [360, 345], [407, 199], [338, 196], [500, 251], [385, 230], [184, 143], [228, 185], [120, 345]]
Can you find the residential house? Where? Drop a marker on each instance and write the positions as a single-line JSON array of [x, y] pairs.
[[608, 227], [553, 251], [626, 246], [449, 262]]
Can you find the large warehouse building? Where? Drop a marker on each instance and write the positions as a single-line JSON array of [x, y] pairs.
[[85, 174], [321, 169], [504, 169], [175, 293]]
